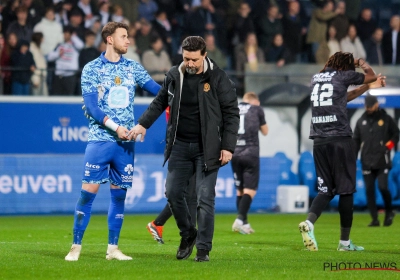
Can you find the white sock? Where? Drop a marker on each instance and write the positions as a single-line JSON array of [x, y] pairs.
[[310, 225], [111, 248], [240, 222], [345, 242]]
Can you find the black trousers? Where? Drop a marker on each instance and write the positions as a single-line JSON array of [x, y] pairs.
[[64, 85], [370, 177]]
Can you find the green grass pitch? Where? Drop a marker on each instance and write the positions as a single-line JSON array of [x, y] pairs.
[[34, 247]]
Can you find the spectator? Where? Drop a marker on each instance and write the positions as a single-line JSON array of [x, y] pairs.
[[6, 49], [391, 42], [243, 24], [366, 25], [162, 26], [90, 51], [143, 36], [89, 12], [104, 12], [268, 26], [66, 56], [373, 47], [147, 9], [341, 21], [96, 29], [118, 15], [214, 52], [319, 25], [39, 86], [156, 60], [277, 53], [22, 60], [76, 22], [51, 30], [21, 27], [353, 9], [250, 53], [8, 14], [62, 12], [352, 44], [333, 43], [132, 48], [204, 20], [35, 11], [293, 31]]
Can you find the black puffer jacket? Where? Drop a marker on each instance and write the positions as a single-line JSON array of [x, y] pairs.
[[371, 134], [218, 105]]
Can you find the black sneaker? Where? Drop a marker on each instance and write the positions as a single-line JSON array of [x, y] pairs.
[[389, 219], [202, 256], [374, 223], [186, 247]]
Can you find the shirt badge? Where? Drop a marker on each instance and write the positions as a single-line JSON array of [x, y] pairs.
[[380, 122], [117, 80], [206, 87]]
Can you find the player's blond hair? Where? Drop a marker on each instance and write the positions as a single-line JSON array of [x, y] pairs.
[[250, 96]]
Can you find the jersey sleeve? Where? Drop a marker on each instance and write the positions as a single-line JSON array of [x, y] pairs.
[[141, 75], [352, 78], [88, 80], [261, 116]]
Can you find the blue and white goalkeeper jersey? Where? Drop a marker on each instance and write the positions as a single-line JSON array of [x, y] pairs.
[[115, 83]]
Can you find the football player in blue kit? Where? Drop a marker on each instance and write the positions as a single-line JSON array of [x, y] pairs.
[[108, 88], [334, 150]]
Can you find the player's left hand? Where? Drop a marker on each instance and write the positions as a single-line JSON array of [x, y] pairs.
[[225, 157], [380, 82]]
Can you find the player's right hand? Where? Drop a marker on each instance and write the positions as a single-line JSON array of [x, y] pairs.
[[122, 133]]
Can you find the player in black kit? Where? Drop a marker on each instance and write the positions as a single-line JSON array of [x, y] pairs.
[[246, 159], [334, 151]]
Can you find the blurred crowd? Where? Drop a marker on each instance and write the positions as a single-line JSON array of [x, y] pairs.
[[44, 44]]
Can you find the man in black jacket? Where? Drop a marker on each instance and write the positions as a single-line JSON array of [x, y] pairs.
[[376, 134], [201, 137]]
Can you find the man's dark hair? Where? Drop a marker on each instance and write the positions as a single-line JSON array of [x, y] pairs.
[[340, 61], [194, 44], [110, 28]]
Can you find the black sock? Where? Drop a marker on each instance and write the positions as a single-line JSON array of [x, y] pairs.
[[318, 205], [238, 199], [346, 215], [163, 217], [244, 207]]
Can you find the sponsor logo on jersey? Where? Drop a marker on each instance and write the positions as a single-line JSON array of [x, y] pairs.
[[117, 81], [323, 77], [324, 119]]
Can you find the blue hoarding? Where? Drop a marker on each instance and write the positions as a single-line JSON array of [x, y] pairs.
[[44, 184], [59, 127]]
